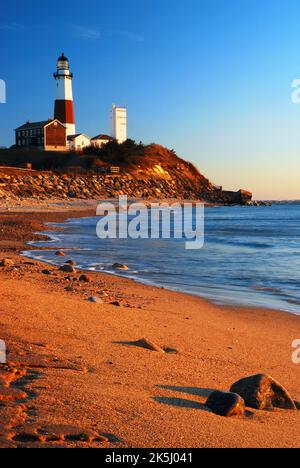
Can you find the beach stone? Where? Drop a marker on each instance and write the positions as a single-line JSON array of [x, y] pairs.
[[297, 404], [226, 404], [115, 303], [102, 293], [147, 344], [60, 254], [46, 272], [7, 262], [263, 392], [67, 269], [85, 279], [120, 266], [95, 300]]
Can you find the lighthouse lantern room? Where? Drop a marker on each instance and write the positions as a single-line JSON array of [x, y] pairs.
[[64, 106]]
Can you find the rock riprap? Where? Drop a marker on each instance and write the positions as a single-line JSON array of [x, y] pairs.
[[263, 392], [226, 404]]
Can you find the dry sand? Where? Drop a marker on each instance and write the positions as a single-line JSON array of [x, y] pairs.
[[136, 397]]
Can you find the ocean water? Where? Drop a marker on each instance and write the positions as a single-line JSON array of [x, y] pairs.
[[251, 256]]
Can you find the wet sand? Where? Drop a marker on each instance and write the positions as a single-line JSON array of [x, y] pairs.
[[82, 369]]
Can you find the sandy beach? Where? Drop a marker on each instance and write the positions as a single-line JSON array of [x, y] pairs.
[[78, 365]]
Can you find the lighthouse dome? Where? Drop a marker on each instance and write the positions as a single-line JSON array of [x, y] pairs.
[[63, 63]]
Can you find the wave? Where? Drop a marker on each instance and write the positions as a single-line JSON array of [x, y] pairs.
[[248, 258]]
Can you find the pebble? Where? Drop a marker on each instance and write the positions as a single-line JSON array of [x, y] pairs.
[[85, 279], [102, 293], [67, 269], [60, 254], [115, 303], [95, 300], [147, 344], [46, 272]]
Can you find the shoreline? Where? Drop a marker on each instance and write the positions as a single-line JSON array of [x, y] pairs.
[[145, 282], [137, 397]]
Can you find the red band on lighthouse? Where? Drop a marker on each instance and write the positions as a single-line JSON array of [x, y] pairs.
[[64, 111]]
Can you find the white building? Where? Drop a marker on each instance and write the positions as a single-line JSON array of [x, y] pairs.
[[101, 140], [119, 123], [78, 142]]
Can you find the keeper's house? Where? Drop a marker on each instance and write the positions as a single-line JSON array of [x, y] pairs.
[[50, 135], [101, 140], [78, 142]]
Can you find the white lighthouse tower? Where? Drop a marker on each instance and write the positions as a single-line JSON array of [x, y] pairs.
[[64, 106], [118, 123]]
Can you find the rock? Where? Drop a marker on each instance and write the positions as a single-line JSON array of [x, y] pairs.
[[46, 272], [102, 293], [85, 279], [147, 344], [263, 392], [67, 269], [120, 266], [297, 404], [60, 254], [115, 303], [226, 404], [95, 300], [7, 262]]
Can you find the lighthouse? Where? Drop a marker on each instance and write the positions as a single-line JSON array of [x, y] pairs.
[[64, 107]]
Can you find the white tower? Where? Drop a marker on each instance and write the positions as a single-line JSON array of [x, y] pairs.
[[118, 123], [64, 107]]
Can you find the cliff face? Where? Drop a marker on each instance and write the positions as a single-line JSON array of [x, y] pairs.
[[151, 172]]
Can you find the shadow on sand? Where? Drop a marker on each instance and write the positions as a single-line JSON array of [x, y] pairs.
[[183, 402], [203, 393]]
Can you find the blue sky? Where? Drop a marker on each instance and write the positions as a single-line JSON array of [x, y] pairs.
[[209, 78]]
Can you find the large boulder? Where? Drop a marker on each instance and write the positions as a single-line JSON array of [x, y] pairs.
[[226, 404], [263, 392]]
